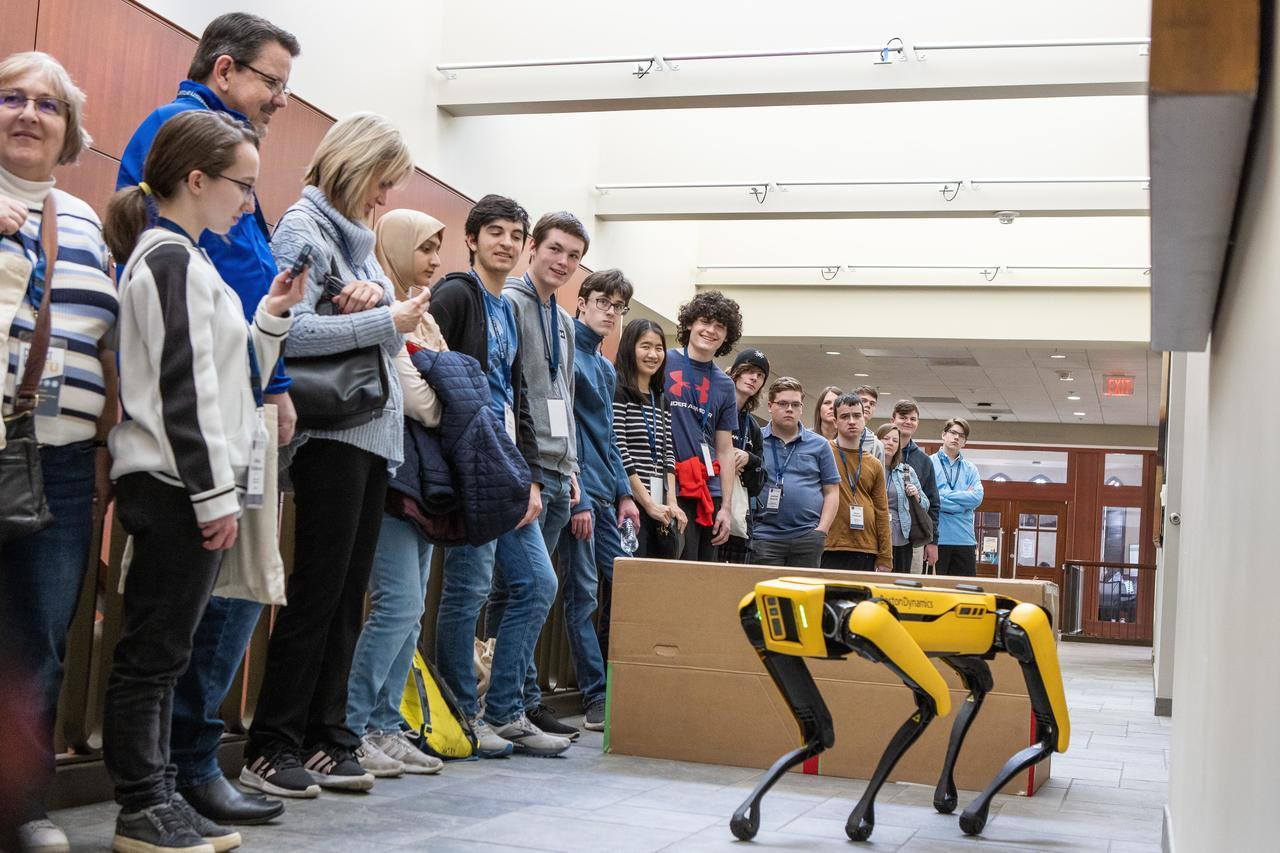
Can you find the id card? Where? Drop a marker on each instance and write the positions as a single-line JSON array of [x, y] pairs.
[[49, 388], [257, 479], [855, 517], [558, 417], [509, 419], [706, 459], [655, 489], [773, 498]]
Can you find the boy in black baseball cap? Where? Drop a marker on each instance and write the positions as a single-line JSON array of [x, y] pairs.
[[749, 373]]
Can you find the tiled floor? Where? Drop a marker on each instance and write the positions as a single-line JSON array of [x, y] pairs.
[[1106, 795]]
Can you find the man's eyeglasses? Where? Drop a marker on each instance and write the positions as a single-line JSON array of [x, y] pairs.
[[274, 83], [245, 188], [12, 99], [786, 404], [957, 433], [619, 308]]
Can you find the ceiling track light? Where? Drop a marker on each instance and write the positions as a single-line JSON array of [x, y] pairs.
[[949, 186]]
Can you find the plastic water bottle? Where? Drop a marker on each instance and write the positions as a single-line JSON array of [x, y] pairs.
[[629, 541]]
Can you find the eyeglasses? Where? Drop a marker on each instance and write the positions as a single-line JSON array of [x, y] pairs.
[[245, 188], [957, 433], [274, 83], [786, 404], [619, 308], [12, 99]]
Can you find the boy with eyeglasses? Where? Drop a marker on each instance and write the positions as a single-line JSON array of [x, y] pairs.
[[588, 549], [798, 504], [959, 494]]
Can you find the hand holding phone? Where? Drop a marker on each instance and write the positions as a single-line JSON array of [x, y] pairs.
[[300, 263]]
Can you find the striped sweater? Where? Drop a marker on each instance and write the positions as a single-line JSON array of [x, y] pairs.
[[83, 305], [631, 413]]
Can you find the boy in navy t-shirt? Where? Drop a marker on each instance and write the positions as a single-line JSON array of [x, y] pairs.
[[704, 413]]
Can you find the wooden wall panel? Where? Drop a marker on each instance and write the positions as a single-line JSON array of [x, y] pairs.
[[291, 139], [424, 193], [125, 59], [93, 179], [18, 32]]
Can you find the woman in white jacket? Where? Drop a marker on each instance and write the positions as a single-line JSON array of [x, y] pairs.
[[189, 455]]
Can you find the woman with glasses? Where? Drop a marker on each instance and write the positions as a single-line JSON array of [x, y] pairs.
[[191, 455], [41, 574], [299, 740]]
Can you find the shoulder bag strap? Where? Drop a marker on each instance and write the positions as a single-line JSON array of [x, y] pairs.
[[25, 398]]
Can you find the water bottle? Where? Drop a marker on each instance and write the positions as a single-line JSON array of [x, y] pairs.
[[629, 541]]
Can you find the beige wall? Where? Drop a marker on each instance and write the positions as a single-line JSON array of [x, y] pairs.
[[1087, 435], [1224, 770]]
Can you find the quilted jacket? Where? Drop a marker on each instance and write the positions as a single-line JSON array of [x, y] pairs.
[[468, 466]]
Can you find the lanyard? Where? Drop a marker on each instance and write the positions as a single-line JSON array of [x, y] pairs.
[[706, 409], [781, 468], [255, 374], [947, 471], [499, 335], [651, 429], [857, 475], [552, 346], [39, 271]]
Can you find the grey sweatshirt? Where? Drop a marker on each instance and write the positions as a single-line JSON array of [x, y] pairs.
[[555, 453]]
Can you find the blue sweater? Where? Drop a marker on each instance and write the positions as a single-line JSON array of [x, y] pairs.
[[244, 259], [601, 473], [959, 494]]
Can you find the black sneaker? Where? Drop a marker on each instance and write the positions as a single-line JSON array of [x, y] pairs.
[[336, 767], [155, 829], [222, 838], [545, 719], [593, 719], [277, 771]]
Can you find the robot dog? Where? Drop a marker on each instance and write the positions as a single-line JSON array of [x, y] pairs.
[[901, 625]]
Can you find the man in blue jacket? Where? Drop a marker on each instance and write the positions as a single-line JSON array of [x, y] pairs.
[[241, 67], [605, 503], [959, 493]]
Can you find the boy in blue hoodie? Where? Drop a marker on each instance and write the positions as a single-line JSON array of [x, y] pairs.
[[604, 504]]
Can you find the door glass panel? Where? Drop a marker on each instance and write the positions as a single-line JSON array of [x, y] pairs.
[[1122, 469], [1118, 587], [988, 527], [1121, 532], [1046, 548], [1048, 522], [1026, 547], [1027, 520]]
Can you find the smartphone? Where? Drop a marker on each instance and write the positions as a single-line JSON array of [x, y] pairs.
[[303, 261]]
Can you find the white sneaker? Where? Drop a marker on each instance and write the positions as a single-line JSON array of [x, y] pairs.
[[42, 836], [530, 739], [489, 744], [376, 761], [395, 745]]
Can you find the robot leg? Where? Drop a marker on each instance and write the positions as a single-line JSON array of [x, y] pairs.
[[976, 675]]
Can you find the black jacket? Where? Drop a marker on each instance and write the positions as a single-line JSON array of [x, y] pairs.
[[915, 456], [458, 308], [753, 475]]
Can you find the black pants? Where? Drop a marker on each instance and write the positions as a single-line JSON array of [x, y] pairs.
[[653, 542], [957, 560], [697, 539], [802, 552], [736, 550], [339, 492], [902, 558], [168, 585], [849, 561]]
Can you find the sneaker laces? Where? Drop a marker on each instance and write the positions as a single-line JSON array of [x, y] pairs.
[[167, 819], [394, 745]]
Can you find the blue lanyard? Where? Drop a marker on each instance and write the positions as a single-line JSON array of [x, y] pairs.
[[651, 429], [495, 326], [706, 410], [39, 271], [550, 347], [857, 476], [947, 469], [781, 468]]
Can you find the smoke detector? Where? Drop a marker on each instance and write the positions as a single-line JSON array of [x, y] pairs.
[[1006, 217]]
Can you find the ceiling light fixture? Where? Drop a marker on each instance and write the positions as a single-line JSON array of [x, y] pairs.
[[1006, 217], [1079, 414], [1073, 397], [862, 375], [1064, 376], [832, 352], [1057, 354]]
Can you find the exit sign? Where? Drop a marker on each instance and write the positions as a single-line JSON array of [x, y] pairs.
[[1119, 386]]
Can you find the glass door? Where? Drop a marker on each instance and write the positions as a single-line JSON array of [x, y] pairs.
[[989, 525], [1021, 539]]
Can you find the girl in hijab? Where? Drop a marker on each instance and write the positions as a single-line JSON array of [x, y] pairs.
[[408, 250]]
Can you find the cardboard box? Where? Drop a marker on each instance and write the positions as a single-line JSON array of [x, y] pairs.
[[678, 655]]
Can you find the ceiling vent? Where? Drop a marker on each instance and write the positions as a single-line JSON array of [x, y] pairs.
[[936, 400], [953, 361]]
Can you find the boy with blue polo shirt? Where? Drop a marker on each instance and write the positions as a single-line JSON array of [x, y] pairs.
[[795, 509], [959, 494]]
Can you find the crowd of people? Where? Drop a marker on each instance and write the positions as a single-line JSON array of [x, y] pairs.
[[409, 410]]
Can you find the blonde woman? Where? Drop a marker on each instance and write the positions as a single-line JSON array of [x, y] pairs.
[[408, 249], [299, 740]]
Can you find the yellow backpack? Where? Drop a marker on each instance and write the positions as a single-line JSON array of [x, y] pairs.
[[431, 711]]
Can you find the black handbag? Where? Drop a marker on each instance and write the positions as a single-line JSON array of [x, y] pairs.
[[921, 523], [340, 390], [25, 509]]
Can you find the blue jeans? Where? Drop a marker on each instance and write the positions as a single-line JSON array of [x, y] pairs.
[[582, 564], [384, 652], [217, 651], [520, 557], [554, 517], [40, 580]]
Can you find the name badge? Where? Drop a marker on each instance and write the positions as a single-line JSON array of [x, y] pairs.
[[855, 517], [257, 480], [706, 459], [509, 420], [773, 498], [655, 489], [558, 416], [49, 387]]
